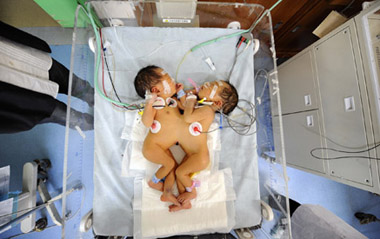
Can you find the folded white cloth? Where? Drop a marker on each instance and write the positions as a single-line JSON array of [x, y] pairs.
[[26, 67], [212, 210]]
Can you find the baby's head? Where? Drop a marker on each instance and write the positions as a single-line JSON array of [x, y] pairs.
[[222, 93], [155, 80]]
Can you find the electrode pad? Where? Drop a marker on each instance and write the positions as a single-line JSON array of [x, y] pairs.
[[171, 102], [159, 103], [195, 129], [156, 126]]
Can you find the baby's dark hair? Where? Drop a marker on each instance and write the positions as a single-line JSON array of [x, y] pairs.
[[230, 98], [146, 78]]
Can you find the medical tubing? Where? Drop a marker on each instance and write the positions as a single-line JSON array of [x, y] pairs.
[[180, 63], [205, 44], [217, 39], [233, 34], [224, 37], [96, 70], [265, 13]]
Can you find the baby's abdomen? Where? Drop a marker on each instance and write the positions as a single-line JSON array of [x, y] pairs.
[[192, 144], [166, 137]]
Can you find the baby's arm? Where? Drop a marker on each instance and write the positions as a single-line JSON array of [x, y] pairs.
[[181, 96], [149, 112], [192, 115]]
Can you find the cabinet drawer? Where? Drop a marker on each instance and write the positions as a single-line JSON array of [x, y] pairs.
[[341, 105], [297, 84], [301, 135]]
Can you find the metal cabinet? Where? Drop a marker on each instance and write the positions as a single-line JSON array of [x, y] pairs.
[[330, 100]]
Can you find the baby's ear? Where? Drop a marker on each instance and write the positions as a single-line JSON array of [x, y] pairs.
[[218, 103], [155, 90]]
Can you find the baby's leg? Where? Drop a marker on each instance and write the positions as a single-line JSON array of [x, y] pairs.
[[167, 195], [181, 190], [155, 154], [194, 163]]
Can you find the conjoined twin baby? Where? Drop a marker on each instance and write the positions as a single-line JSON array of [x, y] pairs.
[[169, 127]]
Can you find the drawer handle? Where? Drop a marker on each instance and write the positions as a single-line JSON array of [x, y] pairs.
[[307, 100], [349, 104], [309, 121]]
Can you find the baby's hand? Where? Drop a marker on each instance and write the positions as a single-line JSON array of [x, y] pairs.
[[150, 98], [190, 97], [178, 87]]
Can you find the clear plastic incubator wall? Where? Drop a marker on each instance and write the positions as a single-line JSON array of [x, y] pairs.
[[194, 42]]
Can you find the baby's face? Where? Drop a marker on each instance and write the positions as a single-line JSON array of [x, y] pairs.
[[167, 84], [211, 90]]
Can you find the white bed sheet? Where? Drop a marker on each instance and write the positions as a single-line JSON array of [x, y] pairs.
[[130, 50]]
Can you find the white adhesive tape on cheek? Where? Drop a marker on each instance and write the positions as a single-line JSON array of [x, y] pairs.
[[213, 92], [220, 83], [167, 89], [163, 72]]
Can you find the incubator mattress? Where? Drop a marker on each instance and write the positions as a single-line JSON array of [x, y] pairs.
[[133, 48]]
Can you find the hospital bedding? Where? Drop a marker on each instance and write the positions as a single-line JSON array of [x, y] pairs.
[[131, 49]]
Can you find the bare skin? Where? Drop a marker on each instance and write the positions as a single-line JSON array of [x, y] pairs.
[[195, 147], [158, 186], [175, 128], [176, 208], [156, 144], [167, 192]]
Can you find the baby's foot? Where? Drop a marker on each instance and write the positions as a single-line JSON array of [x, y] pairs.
[[186, 197], [169, 197], [158, 186], [175, 208]]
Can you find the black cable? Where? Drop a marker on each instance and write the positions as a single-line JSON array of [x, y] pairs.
[[347, 152], [349, 5], [135, 107], [109, 75], [237, 127]]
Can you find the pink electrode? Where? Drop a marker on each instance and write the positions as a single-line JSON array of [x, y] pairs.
[[195, 129]]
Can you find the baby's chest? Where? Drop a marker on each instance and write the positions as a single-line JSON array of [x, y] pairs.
[[169, 119], [168, 114]]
